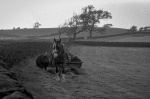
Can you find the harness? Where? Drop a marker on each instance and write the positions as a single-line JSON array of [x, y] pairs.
[[60, 53], [59, 58]]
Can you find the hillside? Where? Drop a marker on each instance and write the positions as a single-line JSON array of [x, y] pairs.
[[50, 33], [30, 32], [8, 36], [109, 31], [47, 34], [124, 37]]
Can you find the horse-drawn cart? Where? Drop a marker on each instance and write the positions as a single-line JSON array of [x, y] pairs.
[[44, 61]]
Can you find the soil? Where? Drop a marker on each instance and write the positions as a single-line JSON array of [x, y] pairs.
[[107, 73]]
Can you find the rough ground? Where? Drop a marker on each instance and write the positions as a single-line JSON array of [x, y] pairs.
[[107, 73]]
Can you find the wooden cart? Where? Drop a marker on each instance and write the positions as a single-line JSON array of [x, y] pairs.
[[43, 61]]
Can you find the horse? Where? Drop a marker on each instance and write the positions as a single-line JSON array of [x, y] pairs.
[[59, 59]]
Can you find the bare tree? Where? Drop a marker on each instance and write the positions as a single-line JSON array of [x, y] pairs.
[[73, 26]]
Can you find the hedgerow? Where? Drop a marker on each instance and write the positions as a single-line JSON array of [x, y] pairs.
[[14, 52], [114, 44]]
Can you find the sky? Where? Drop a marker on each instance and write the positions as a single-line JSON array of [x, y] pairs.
[[52, 13]]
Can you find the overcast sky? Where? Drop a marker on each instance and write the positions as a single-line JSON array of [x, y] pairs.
[[51, 13]]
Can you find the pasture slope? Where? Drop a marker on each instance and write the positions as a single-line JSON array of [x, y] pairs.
[[107, 73], [50, 33]]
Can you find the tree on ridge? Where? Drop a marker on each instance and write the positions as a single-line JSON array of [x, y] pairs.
[[91, 17]]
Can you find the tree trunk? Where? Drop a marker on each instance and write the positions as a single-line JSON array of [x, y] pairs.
[[74, 37], [91, 30], [90, 34]]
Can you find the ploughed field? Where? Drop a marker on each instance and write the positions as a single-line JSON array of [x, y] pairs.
[[106, 73]]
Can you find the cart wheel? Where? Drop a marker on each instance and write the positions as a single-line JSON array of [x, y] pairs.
[[75, 62], [42, 61]]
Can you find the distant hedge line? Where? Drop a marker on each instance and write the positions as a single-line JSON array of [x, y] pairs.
[[114, 44]]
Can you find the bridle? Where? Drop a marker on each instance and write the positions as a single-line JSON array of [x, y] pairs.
[[57, 47]]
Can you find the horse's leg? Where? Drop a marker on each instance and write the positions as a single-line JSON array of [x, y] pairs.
[[63, 73], [63, 69], [57, 73]]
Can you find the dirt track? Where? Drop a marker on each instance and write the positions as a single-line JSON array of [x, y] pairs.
[[108, 73]]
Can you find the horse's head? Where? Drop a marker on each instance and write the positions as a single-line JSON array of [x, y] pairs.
[[57, 48]]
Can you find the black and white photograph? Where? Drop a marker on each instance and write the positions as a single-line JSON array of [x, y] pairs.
[[74, 49]]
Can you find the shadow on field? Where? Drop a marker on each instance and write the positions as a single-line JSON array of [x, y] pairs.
[[77, 71]]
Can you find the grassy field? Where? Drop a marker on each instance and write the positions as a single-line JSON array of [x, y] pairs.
[[135, 39], [125, 37], [107, 72], [114, 73]]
